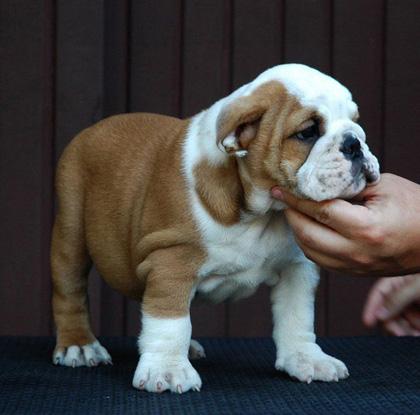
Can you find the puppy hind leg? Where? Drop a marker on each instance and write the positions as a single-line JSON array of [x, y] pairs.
[[70, 264], [196, 350]]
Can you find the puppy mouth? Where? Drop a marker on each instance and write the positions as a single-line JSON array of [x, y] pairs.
[[372, 176], [341, 178], [362, 169]]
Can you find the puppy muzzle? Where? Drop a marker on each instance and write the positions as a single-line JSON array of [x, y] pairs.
[[363, 161]]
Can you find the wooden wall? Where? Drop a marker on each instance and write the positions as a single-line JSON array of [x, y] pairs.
[[66, 64]]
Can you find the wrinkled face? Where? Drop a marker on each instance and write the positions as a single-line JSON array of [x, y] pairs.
[[298, 128]]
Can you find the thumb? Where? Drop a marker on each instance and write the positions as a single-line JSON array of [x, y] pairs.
[[400, 299]]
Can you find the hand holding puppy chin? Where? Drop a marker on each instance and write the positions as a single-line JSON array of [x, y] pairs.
[[380, 235]]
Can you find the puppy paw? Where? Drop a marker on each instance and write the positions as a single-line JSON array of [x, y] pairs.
[[196, 350], [157, 372], [88, 355], [309, 362]]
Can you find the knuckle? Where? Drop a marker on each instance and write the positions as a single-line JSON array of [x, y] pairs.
[[363, 260], [323, 215], [372, 234], [376, 237], [362, 224]]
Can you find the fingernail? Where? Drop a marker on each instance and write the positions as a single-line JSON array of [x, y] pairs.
[[277, 193], [382, 313]]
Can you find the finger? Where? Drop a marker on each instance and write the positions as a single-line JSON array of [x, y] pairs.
[[322, 260], [317, 236], [413, 318], [398, 327], [374, 302], [401, 298], [368, 193], [378, 296], [337, 214]]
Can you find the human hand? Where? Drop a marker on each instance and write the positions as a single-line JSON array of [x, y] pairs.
[[380, 236], [395, 303]]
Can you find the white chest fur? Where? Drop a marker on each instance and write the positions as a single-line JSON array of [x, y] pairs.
[[241, 257]]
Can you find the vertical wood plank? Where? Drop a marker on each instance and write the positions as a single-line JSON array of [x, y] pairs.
[[206, 48], [155, 76], [402, 89], [308, 33], [25, 166], [116, 57], [79, 89], [258, 45], [155, 50], [206, 40], [257, 37], [308, 41], [48, 162], [357, 63]]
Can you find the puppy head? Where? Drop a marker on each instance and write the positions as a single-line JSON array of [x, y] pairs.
[[296, 127]]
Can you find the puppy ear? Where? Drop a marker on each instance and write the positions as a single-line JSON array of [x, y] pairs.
[[237, 124]]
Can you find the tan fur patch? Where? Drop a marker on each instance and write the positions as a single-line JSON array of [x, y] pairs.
[[219, 190], [122, 199]]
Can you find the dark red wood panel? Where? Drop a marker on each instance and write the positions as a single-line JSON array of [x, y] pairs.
[[155, 52], [79, 76], [206, 78], [25, 157], [402, 90], [257, 45], [65, 65], [308, 33], [307, 40], [116, 56], [257, 38], [206, 54], [48, 144], [357, 63]]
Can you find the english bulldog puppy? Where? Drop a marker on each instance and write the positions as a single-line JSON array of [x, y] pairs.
[[168, 209]]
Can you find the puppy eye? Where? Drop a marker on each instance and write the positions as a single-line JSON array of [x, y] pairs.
[[308, 134]]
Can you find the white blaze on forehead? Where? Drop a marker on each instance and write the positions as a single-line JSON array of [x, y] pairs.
[[311, 88]]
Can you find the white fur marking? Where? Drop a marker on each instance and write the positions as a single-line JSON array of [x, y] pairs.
[[88, 355], [164, 364], [293, 332], [196, 350]]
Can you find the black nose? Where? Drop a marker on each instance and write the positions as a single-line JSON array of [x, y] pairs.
[[351, 146]]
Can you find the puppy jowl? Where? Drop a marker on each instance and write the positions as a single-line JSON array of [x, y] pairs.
[[212, 228]]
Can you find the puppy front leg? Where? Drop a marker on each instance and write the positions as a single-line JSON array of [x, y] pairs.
[[293, 316], [166, 332], [164, 364]]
